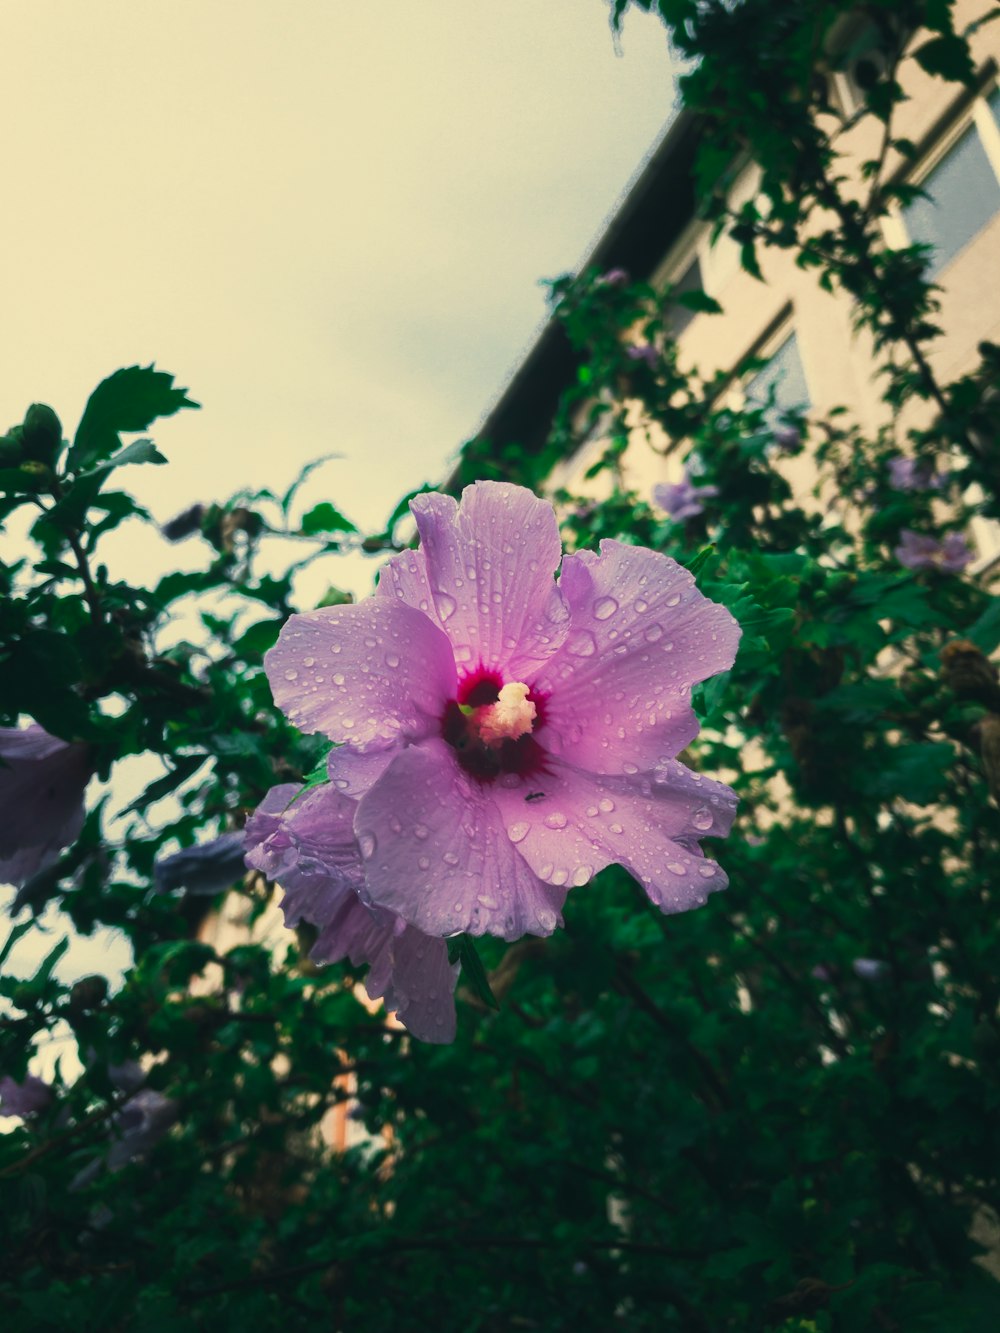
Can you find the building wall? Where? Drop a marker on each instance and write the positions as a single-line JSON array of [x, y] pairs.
[[838, 362]]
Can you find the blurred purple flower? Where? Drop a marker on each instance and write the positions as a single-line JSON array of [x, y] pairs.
[[683, 499], [306, 843], [786, 438], [25, 1098], [207, 868], [916, 550], [615, 277], [870, 969], [139, 1126], [128, 1077], [42, 781], [643, 352], [911, 474], [507, 735]]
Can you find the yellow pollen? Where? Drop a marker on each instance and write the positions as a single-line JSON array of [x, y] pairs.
[[509, 718]]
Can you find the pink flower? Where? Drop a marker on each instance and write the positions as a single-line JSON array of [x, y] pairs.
[[916, 550], [645, 352], [42, 781], [307, 844], [508, 735], [25, 1098], [911, 474], [683, 499], [615, 277]]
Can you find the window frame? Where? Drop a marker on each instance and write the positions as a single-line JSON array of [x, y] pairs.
[[973, 113]]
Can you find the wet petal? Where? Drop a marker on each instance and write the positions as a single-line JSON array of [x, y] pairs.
[[42, 785], [489, 566], [368, 676], [352, 774], [641, 635], [407, 969], [575, 823], [306, 843], [437, 852]]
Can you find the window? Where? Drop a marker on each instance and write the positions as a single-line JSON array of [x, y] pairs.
[[963, 188], [781, 386]]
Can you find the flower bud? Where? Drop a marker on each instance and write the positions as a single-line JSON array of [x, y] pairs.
[[41, 434]]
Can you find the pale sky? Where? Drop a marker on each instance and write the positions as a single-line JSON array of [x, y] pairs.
[[328, 219]]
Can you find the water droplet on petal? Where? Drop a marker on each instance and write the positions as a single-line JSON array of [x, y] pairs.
[[640, 606], [606, 804], [424, 862], [338, 679], [445, 605], [676, 868], [291, 674], [559, 876], [518, 832], [615, 828], [702, 818], [463, 653], [707, 872], [391, 660], [630, 768], [674, 599], [581, 875], [451, 858], [555, 820], [546, 870], [582, 644], [367, 845], [604, 608], [420, 831]]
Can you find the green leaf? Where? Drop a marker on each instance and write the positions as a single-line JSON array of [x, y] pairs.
[[129, 400], [185, 766], [985, 632], [947, 56], [325, 518], [48, 963], [16, 933], [462, 949], [255, 642]]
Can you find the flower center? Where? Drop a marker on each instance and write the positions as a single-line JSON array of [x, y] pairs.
[[511, 717], [490, 726]]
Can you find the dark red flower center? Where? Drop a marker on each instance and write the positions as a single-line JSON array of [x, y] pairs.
[[492, 726]]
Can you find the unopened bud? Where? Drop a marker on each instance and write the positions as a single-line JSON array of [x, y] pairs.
[[42, 433]]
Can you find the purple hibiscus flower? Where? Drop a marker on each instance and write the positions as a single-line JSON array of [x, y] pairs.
[[615, 277], [645, 352], [911, 474], [25, 1098], [683, 499], [916, 550], [42, 781], [507, 735], [307, 844]]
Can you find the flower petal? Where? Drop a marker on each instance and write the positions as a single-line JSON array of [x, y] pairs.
[[576, 823], [408, 969], [352, 774], [437, 852], [306, 843], [641, 635], [367, 676], [489, 566], [42, 785]]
